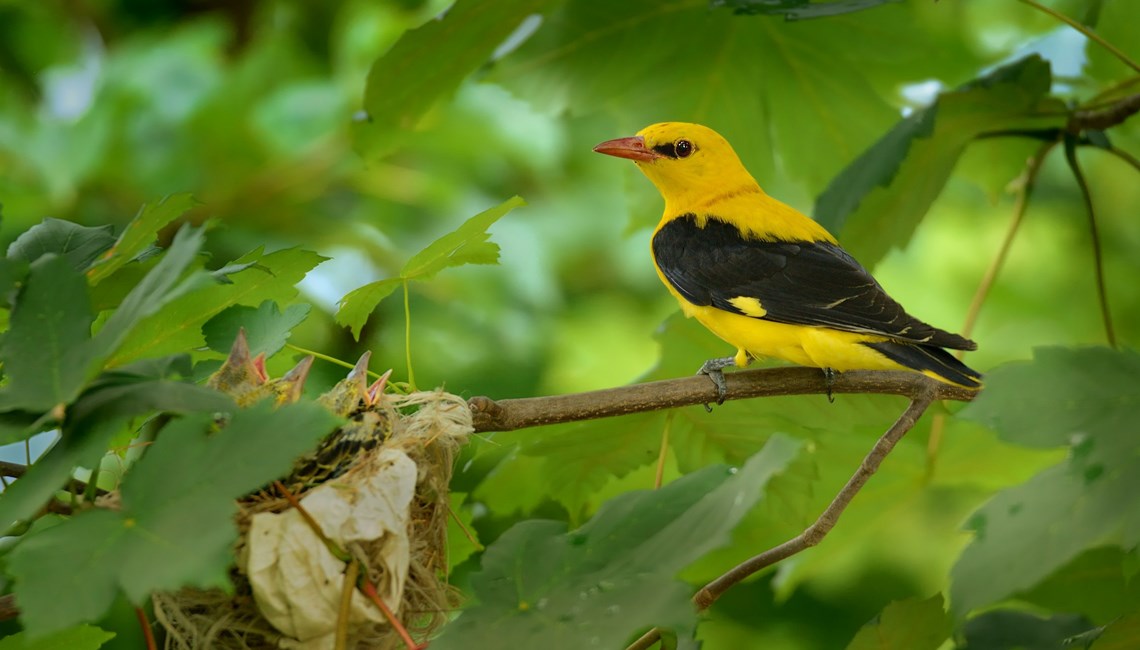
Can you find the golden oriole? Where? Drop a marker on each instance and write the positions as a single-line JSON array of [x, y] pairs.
[[766, 278]]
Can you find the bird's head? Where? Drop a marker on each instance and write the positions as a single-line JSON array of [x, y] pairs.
[[683, 160]]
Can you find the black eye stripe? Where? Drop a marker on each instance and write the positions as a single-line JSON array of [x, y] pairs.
[[678, 149]]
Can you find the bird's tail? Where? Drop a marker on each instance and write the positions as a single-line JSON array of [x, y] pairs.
[[930, 360]]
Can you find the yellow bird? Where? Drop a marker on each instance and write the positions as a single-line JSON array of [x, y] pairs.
[[764, 277]]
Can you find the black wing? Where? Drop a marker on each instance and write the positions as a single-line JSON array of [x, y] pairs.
[[802, 283]]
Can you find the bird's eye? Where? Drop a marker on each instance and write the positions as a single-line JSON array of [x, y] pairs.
[[683, 148]]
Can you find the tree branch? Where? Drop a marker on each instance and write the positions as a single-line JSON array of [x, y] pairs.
[[16, 470], [1103, 117], [510, 414], [814, 533], [8, 609]]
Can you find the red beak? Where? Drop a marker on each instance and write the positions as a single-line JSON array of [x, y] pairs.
[[632, 148]]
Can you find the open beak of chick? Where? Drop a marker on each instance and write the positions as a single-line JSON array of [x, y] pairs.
[[632, 148]]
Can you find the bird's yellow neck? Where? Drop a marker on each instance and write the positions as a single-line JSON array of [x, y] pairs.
[[745, 206]]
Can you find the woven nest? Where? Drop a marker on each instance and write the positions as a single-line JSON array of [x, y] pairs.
[[427, 429]]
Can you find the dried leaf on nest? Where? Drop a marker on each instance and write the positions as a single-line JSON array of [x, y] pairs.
[[297, 581]]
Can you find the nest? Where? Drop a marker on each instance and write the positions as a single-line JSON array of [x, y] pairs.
[[426, 430]]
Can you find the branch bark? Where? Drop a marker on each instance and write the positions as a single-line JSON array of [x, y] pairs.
[[814, 533], [16, 470], [510, 414]]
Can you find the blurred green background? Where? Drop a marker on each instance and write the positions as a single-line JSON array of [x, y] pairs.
[[255, 108]]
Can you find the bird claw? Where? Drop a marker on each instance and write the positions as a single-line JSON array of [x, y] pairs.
[[714, 368], [829, 375]]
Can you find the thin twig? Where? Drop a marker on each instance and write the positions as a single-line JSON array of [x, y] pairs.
[[1098, 261], [351, 574], [511, 414], [1028, 181], [1125, 156], [1088, 33], [814, 533], [463, 527], [660, 475], [1120, 86], [370, 590], [148, 633]]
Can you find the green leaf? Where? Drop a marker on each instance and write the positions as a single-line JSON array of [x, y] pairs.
[[163, 284], [16, 426], [79, 245], [1004, 629], [44, 350], [80, 637], [1121, 634], [878, 200], [357, 305], [1041, 403], [1090, 399], [178, 327], [821, 87], [127, 392], [1116, 23], [797, 9], [12, 274], [24, 498], [1093, 584], [266, 327], [97, 415], [906, 625], [428, 63], [541, 586], [581, 457], [467, 244], [141, 233], [176, 524]]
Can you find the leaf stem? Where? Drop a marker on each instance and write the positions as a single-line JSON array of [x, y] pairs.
[[148, 633], [92, 488], [813, 534], [408, 338], [1098, 261], [325, 357], [1088, 33]]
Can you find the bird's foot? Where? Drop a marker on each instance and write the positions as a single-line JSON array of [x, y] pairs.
[[714, 368], [829, 375]]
